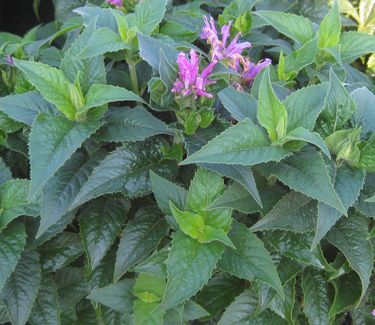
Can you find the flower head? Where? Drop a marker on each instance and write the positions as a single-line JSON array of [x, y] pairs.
[[373, 312], [219, 48], [116, 3], [10, 60], [251, 70], [189, 81]]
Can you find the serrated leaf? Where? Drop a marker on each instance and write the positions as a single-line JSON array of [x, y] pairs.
[[46, 309], [239, 104], [98, 95], [12, 243], [61, 189], [13, 201], [53, 140], [355, 45], [271, 111], [131, 124], [367, 157], [330, 28], [190, 265], [53, 85], [166, 191], [306, 172], [118, 296], [294, 212], [60, 251], [140, 237], [250, 260], [243, 144], [347, 184], [364, 116], [350, 236], [100, 223], [149, 287], [25, 107], [285, 308], [125, 170], [316, 297], [22, 287], [304, 106], [298, 28], [190, 223]]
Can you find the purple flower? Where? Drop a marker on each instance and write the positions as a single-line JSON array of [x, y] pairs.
[[373, 312], [189, 81], [10, 60], [219, 49], [116, 3], [251, 70]]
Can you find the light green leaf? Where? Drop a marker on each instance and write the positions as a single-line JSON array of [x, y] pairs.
[[316, 303], [211, 234], [12, 243], [118, 296], [367, 157], [100, 223], [140, 237], [250, 260], [302, 134], [125, 170], [53, 140], [355, 45], [131, 124], [61, 189], [306, 172], [145, 313], [298, 28], [350, 236], [272, 113], [305, 105], [149, 287], [53, 85], [46, 309], [243, 144], [330, 28], [190, 265], [166, 191], [294, 212], [22, 287]]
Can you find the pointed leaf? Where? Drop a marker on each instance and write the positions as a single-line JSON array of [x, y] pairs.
[[330, 28], [355, 45]]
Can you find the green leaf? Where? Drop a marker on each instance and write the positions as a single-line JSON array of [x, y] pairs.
[[355, 45], [243, 144], [147, 16], [250, 260], [100, 223], [304, 106], [118, 296], [348, 183], [53, 85], [60, 251], [294, 212], [367, 157], [46, 309], [190, 265], [53, 140], [330, 28], [22, 287], [12, 243], [211, 234], [298, 28], [350, 236], [364, 116], [13, 201], [131, 124], [239, 104], [302, 134], [149, 287], [61, 189], [339, 106], [140, 237], [166, 191], [25, 107], [306, 172], [5, 173], [99, 95], [125, 170], [145, 313], [272, 113], [316, 297]]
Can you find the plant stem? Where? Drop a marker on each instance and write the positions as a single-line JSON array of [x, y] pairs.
[[133, 76]]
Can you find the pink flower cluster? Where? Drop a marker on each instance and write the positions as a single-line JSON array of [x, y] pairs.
[[116, 3], [189, 81]]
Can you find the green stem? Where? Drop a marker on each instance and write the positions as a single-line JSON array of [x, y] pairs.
[[133, 76], [98, 314]]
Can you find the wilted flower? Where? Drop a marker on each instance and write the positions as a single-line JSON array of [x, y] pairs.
[[219, 49], [189, 81], [10, 60], [116, 3], [251, 70]]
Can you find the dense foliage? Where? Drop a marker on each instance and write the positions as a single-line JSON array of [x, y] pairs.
[[206, 162]]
